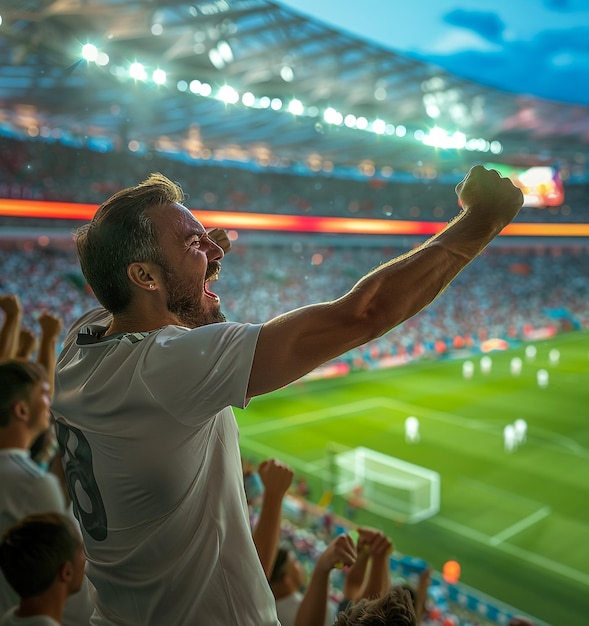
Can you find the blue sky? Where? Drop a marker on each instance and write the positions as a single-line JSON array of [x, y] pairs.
[[538, 47]]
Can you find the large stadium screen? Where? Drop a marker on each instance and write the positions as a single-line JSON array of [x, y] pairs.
[[542, 186]]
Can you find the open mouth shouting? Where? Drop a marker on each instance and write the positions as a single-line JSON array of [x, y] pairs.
[[212, 275]]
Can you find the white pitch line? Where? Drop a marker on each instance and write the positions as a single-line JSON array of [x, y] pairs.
[[313, 416], [524, 523], [521, 553], [270, 452], [479, 485]]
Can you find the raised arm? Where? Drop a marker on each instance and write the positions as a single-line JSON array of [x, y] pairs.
[[312, 610], [51, 326], [27, 344], [10, 331], [380, 548], [295, 343], [276, 478]]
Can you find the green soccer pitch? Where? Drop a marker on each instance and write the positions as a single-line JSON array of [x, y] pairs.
[[517, 522]]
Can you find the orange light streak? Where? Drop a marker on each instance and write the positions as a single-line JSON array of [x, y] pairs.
[[288, 223]]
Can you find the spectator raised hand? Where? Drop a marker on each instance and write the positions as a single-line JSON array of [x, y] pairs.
[[341, 552], [277, 478]]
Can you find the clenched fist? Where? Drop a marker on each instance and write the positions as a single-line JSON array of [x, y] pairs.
[[219, 236], [489, 198]]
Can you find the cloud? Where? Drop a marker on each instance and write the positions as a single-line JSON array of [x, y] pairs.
[[485, 23], [553, 65], [457, 39]]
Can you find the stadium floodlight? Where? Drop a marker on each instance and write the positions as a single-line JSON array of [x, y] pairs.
[[400, 131], [264, 102], [225, 51], [350, 120], [137, 71], [361, 123], [459, 140], [216, 59], [437, 137], [182, 85], [248, 99], [296, 107], [331, 116], [89, 52], [496, 147], [378, 127], [195, 86], [206, 90], [432, 110], [276, 104], [102, 59], [228, 95], [287, 73], [380, 94], [159, 77], [157, 29]]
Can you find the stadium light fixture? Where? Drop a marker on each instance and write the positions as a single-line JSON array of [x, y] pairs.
[[228, 95], [248, 99], [225, 52], [206, 90], [380, 94], [379, 126], [400, 131], [102, 59], [89, 52], [137, 71], [195, 86], [216, 59], [296, 107], [361, 123], [350, 120], [159, 77], [287, 73], [276, 104]]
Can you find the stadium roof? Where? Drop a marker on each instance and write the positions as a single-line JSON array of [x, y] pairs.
[[232, 69]]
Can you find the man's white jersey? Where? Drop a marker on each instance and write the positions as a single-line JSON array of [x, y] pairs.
[[150, 448]]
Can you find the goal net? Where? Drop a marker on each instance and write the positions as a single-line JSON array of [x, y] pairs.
[[386, 485]]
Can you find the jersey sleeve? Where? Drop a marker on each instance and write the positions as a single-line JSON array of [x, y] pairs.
[[196, 373]]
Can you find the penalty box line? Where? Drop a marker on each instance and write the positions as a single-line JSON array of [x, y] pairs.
[[520, 526], [525, 555], [333, 412]]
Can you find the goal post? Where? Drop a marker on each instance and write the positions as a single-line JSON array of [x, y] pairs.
[[389, 486]]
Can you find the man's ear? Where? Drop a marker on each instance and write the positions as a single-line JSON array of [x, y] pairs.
[[66, 572], [143, 275], [20, 410]]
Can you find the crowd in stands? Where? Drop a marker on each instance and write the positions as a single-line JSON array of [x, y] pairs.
[[52, 171], [261, 281]]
